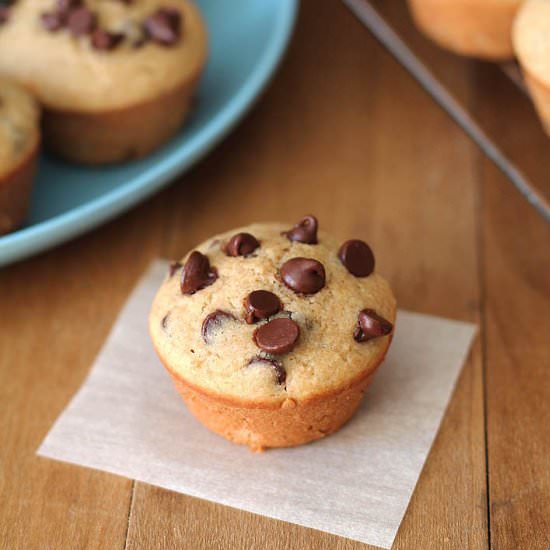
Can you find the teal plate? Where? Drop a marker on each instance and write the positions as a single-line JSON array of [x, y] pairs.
[[247, 40]]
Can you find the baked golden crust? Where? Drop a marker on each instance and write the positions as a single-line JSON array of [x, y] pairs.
[[15, 191], [532, 48], [19, 119], [478, 28], [119, 135], [19, 139], [540, 94], [531, 39], [292, 423]]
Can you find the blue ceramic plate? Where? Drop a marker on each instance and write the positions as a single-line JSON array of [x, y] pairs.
[[247, 39]]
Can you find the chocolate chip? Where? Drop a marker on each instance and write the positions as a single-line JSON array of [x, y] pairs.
[[173, 267], [52, 21], [64, 6], [81, 21], [260, 304], [277, 336], [57, 19], [163, 26], [280, 372], [303, 275], [357, 257], [212, 322], [4, 14], [241, 244], [164, 320], [371, 325], [305, 231], [197, 273], [104, 40], [171, 13]]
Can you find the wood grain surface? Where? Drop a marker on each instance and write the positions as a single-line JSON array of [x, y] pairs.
[[345, 133]]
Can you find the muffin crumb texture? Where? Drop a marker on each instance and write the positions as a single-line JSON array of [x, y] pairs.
[[272, 317], [100, 55]]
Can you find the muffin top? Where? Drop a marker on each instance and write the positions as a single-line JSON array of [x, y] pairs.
[[531, 38], [268, 312], [19, 115], [93, 55]]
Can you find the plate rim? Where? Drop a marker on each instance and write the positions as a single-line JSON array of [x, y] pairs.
[[74, 222]]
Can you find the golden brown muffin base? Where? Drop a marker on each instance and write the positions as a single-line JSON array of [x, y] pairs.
[[15, 191], [468, 27], [289, 424], [540, 94], [118, 135]]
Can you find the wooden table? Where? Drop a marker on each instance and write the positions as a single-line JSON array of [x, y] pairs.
[[345, 133]]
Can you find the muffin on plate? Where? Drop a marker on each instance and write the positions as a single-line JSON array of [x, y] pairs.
[[19, 140], [272, 333], [477, 28], [532, 46], [116, 78]]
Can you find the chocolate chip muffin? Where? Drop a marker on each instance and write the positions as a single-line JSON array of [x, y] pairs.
[[272, 334], [116, 77], [532, 46], [19, 139], [477, 28]]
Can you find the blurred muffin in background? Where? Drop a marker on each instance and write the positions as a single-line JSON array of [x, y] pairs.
[[477, 28], [531, 36], [116, 78], [19, 139]]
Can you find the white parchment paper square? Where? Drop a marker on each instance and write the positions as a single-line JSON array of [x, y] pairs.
[[128, 419]]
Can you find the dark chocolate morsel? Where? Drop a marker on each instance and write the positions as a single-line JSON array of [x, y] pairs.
[[260, 304], [303, 275], [371, 325], [81, 21], [241, 244], [163, 26], [173, 267], [305, 231], [58, 18], [104, 40], [280, 372], [357, 257], [4, 14], [213, 321], [64, 6], [52, 21], [197, 273], [278, 336]]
